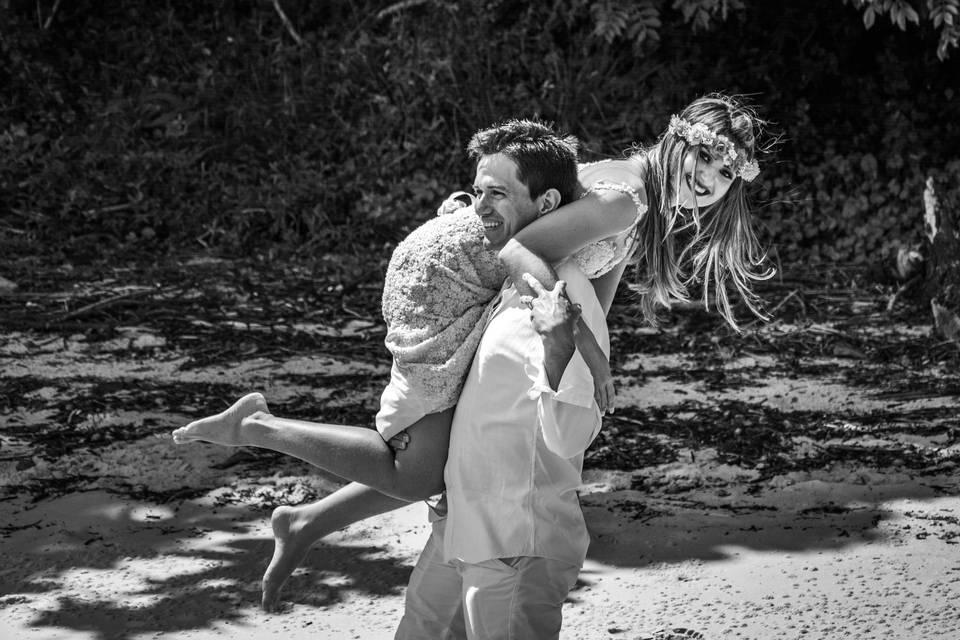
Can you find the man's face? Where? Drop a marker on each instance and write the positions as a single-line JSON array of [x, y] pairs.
[[503, 202]]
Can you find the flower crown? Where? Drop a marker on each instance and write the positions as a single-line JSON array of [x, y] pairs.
[[700, 134]]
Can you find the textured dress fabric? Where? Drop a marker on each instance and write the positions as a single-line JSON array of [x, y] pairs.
[[437, 297], [601, 256]]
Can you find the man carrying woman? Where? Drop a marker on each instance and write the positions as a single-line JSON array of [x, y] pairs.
[[436, 304]]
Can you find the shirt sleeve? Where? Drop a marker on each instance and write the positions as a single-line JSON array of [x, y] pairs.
[[569, 417]]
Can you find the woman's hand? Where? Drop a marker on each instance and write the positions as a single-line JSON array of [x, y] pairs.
[[604, 391]]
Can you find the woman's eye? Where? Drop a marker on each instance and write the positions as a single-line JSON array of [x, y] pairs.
[[726, 173], [705, 157]]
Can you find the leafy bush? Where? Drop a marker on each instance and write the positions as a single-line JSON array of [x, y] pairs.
[[943, 16], [152, 127]]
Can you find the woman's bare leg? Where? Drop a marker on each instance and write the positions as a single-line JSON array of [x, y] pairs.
[[355, 453], [295, 529], [358, 454], [224, 426]]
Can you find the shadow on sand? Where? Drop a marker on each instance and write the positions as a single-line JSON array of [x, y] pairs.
[[100, 563], [632, 529]]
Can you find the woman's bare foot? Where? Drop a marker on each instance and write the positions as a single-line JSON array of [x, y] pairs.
[[223, 428], [291, 541]]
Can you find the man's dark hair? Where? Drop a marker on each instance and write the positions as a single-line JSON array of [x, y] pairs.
[[545, 159]]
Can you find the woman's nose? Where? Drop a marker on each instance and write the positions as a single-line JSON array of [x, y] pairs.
[[707, 174]]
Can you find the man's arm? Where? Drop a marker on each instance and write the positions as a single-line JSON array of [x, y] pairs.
[[516, 256], [569, 417], [555, 318]]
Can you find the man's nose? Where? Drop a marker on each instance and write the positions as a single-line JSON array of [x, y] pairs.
[[481, 206]]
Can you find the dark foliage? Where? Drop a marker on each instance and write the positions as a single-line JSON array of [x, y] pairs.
[[146, 128]]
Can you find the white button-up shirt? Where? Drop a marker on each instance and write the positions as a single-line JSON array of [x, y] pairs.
[[516, 446]]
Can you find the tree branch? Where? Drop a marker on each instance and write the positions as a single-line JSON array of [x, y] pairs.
[[53, 13], [286, 23]]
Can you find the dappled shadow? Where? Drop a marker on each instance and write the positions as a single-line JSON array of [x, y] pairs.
[[49, 417], [224, 594], [759, 436], [152, 560], [121, 568], [630, 529], [891, 357], [695, 534]]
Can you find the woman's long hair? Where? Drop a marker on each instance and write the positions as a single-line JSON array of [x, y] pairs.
[[715, 246]]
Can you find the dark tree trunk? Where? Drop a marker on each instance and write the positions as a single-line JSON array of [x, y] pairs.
[[941, 284]]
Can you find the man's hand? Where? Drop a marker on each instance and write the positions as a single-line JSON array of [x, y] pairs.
[[555, 318], [400, 441], [552, 313]]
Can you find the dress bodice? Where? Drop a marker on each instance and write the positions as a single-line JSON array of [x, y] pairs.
[[598, 258]]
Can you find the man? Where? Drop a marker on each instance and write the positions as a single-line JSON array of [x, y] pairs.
[[524, 170], [503, 560]]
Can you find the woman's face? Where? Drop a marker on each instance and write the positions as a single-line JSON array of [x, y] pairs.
[[704, 176]]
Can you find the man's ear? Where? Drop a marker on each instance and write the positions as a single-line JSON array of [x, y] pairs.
[[549, 201]]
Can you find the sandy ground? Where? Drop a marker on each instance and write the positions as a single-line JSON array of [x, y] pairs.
[[830, 560], [706, 548]]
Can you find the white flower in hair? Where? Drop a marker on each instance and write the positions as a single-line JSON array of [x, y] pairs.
[[700, 134], [749, 170]]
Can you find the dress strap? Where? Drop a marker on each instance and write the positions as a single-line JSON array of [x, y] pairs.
[[606, 185]]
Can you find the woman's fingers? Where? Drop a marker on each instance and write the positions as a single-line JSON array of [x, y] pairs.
[[611, 396], [605, 395]]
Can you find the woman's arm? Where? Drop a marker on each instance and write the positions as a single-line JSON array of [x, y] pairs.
[[606, 285], [561, 233], [597, 361]]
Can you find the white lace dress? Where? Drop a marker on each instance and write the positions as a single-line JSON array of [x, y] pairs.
[[437, 295]]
